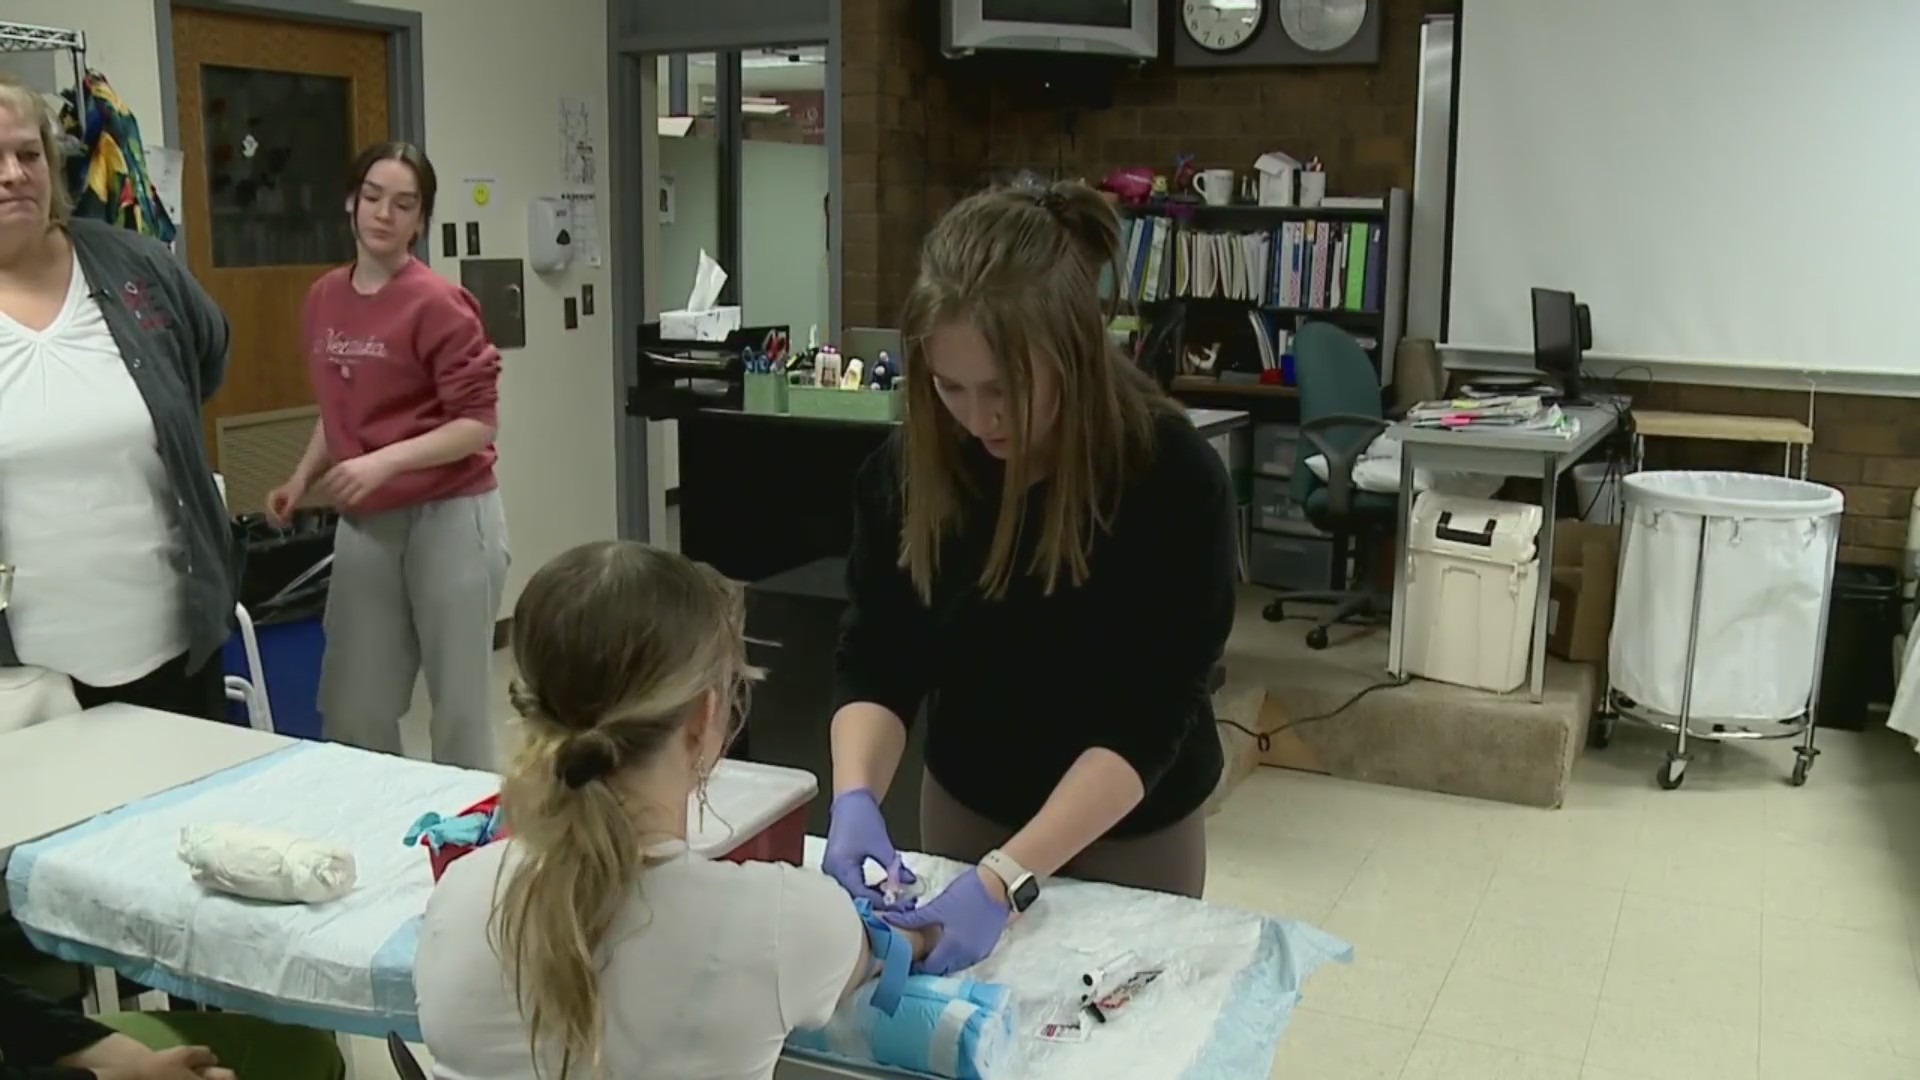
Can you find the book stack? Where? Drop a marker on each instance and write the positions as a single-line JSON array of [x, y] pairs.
[[1302, 265]]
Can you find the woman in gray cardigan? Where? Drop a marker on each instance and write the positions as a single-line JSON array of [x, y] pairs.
[[124, 560]]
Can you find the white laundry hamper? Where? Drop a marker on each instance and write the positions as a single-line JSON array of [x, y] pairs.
[[1473, 571], [1719, 626]]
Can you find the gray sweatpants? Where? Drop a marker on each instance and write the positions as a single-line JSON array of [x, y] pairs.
[[416, 588]]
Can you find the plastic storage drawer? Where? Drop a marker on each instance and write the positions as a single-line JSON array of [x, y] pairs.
[[1292, 562], [1274, 509], [1276, 449]]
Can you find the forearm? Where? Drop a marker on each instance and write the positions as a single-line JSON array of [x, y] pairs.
[[1096, 793], [868, 740], [456, 439], [868, 966], [314, 460], [113, 1052]]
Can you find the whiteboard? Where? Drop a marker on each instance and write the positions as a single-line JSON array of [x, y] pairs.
[[1725, 182]]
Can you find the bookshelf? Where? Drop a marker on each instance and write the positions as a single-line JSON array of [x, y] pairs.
[[1245, 277]]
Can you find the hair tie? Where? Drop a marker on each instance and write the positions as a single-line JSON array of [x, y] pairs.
[[1053, 202], [583, 759]]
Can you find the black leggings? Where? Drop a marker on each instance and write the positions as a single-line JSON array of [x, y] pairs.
[[170, 688]]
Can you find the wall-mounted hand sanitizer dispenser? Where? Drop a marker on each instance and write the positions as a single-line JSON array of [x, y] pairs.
[[549, 234]]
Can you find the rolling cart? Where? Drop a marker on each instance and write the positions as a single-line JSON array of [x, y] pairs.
[[1726, 585]]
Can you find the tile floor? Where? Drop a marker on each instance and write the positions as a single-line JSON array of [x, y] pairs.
[[1735, 929]]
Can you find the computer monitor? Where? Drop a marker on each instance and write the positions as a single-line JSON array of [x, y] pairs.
[[1562, 331]]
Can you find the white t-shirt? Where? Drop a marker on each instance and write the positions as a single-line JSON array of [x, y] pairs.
[[707, 970], [85, 503]]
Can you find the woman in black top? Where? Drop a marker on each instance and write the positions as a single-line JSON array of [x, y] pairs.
[[1046, 556]]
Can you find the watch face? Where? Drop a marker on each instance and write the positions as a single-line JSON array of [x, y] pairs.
[[1322, 25], [1222, 25], [1024, 894]]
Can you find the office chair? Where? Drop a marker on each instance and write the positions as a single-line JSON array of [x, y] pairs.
[[403, 1063], [1340, 416]]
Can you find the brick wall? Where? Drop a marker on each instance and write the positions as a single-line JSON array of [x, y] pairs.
[[918, 133], [905, 124], [1868, 447]]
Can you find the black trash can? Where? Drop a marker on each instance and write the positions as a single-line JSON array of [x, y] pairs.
[[284, 589], [1859, 657]]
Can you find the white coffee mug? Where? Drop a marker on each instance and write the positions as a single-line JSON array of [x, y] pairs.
[[1215, 186], [1313, 187], [1276, 188]]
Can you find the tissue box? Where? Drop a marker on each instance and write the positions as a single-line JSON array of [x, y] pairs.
[[713, 324]]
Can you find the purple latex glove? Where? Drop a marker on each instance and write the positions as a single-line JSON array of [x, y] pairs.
[[967, 920], [855, 833]]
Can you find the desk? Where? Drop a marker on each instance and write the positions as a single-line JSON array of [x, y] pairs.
[[1214, 423], [1536, 455], [1717, 427], [66, 771]]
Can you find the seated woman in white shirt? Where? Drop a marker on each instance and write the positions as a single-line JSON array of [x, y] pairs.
[[593, 944]]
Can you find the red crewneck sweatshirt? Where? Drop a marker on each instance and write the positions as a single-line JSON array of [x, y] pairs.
[[397, 364]]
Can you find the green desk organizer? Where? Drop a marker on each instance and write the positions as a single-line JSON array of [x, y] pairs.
[[869, 406], [765, 393]]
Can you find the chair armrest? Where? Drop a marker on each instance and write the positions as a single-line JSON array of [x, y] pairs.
[[1361, 431]]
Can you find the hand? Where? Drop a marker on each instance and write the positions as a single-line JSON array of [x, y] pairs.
[[855, 833], [349, 482], [966, 920], [283, 500], [184, 1063]]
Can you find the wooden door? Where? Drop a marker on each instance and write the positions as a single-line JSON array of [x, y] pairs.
[[272, 112]]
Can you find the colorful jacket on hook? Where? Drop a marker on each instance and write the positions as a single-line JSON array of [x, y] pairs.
[[109, 179]]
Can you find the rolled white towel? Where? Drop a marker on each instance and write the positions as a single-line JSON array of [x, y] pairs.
[[263, 865]]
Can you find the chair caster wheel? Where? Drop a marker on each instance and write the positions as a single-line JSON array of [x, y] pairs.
[[1275, 611], [1317, 638], [1673, 773]]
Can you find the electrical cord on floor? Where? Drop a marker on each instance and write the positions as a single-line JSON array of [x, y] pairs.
[[1263, 740]]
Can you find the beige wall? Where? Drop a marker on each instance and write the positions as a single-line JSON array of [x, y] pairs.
[[495, 71]]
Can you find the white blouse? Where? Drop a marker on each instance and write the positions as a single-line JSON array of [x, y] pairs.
[[85, 504]]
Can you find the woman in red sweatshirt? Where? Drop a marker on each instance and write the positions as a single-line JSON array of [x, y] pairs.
[[407, 385]]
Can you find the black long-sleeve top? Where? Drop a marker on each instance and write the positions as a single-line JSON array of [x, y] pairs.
[[1020, 687], [35, 1033]]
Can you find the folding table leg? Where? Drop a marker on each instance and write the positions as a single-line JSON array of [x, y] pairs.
[[104, 995]]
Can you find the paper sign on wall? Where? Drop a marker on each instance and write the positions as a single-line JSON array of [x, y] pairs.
[[578, 155], [586, 225], [165, 167]]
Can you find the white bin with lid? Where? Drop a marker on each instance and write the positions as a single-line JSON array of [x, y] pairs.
[[1472, 575], [1765, 546]]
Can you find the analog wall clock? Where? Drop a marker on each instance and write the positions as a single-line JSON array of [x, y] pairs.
[[1322, 26], [1277, 33], [1222, 26]]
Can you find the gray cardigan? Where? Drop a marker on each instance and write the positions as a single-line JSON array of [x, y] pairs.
[[174, 341]]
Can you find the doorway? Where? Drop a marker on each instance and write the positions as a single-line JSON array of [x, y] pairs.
[[270, 112]]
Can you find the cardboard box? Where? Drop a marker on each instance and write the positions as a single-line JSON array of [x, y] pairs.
[[1586, 565]]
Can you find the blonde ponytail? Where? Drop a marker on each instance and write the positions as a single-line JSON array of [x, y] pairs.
[[618, 645]]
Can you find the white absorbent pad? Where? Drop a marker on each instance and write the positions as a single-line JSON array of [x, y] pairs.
[[114, 893], [260, 864], [1231, 981]]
